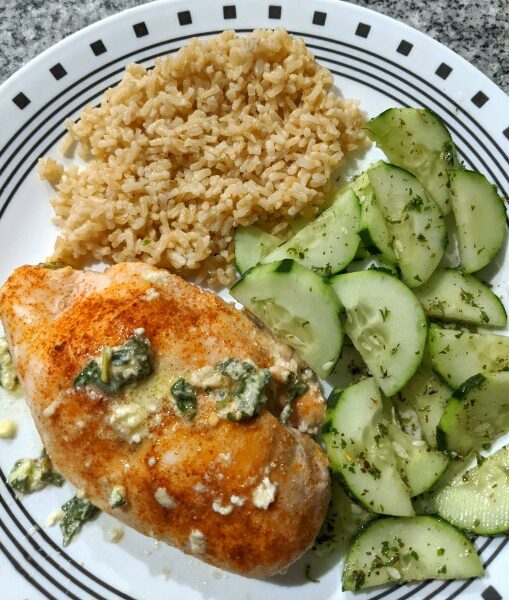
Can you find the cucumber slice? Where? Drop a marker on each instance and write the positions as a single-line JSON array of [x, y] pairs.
[[329, 242], [386, 324], [480, 218], [417, 140], [425, 504], [344, 519], [456, 296], [361, 253], [360, 451], [300, 222], [350, 367], [398, 550], [476, 413], [372, 263], [251, 245], [413, 218], [478, 500], [373, 231], [457, 355], [299, 307], [427, 396], [420, 467]]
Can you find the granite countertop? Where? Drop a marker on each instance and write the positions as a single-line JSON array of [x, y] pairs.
[[478, 30]]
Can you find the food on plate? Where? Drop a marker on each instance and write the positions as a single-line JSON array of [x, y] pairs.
[[411, 549], [373, 229], [144, 388], [252, 244], [455, 296], [478, 500], [299, 307], [418, 141], [229, 131], [329, 243], [421, 402], [30, 475], [458, 355], [8, 429], [476, 414], [379, 464], [413, 219], [76, 512], [344, 519], [480, 218], [385, 323]]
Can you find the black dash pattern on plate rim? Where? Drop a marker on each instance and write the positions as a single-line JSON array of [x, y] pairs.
[[319, 18], [140, 29], [58, 71], [98, 47]]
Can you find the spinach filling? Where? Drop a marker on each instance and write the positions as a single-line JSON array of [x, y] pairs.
[[240, 391], [30, 475], [296, 386], [77, 511], [118, 367], [246, 393], [185, 397]]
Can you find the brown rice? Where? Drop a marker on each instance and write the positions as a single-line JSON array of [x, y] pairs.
[[229, 131]]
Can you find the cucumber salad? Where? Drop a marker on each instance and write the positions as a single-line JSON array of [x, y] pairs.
[[373, 277]]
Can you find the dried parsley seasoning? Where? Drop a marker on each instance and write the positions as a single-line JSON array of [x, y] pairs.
[[359, 578], [468, 298], [77, 511], [30, 475], [118, 366]]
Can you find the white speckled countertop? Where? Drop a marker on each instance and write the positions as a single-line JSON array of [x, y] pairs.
[[478, 30]]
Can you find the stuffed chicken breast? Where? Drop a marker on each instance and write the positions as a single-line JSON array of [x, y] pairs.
[[172, 410]]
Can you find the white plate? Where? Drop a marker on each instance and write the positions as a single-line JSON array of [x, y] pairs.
[[376, 59]]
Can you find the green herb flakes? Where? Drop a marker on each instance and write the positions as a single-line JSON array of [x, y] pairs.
[[358, 577]]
